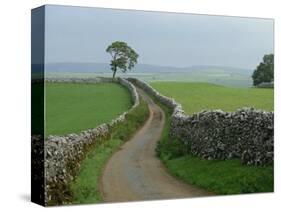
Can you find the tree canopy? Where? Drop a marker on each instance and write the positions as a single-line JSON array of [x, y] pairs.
[[123, 56], [264, 71]]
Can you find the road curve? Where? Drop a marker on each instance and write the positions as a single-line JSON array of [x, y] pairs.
[[134, 173]]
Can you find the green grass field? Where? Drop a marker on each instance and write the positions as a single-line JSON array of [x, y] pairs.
[[73, 107], [195, 97]]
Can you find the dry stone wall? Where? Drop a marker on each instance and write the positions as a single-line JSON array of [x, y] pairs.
[[63, 154], [247, 133], [62, 160], [79, 80]]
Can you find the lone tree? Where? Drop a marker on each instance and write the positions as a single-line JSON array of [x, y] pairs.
[[123, 57], [265, 70]]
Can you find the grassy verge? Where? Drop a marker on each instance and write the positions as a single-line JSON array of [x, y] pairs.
[[85, 188], [220, 177]]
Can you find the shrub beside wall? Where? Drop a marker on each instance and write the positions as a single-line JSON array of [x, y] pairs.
[[246, 134]]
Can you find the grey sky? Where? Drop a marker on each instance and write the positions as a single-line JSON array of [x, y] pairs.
[[81, 34]]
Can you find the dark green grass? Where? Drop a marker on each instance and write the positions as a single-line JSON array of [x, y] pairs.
[[218, 176], [195, 97], [85, 188], [222, 177], [73, 107]]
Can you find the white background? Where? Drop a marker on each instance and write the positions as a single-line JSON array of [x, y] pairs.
[[15, 103]]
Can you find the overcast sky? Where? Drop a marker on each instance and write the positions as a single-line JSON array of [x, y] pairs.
[[81, 34]]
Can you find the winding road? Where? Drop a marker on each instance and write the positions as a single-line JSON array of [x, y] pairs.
[[134, 173]]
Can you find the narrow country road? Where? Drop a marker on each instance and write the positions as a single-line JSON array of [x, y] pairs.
[[134, 173]]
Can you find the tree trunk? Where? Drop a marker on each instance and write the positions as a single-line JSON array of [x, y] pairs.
[[114, 72]]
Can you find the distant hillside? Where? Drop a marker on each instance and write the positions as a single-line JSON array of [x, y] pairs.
[[143, 68], [229, 76]]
